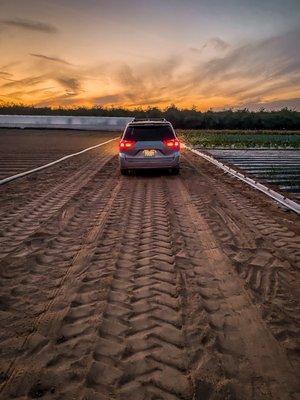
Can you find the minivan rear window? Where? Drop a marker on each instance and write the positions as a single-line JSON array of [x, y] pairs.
[[149, 133]]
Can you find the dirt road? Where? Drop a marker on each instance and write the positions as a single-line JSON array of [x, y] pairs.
[[146, 287]]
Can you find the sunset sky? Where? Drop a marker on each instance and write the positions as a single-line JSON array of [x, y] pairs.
[[208, 53]]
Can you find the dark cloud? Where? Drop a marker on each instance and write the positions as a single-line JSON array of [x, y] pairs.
[[147, 77], [125, 76], [215, 43], [72, 85], [54, 59], [6, 74], [109, 99], [21, 93], [130, 99], [150, 102], [30, 81], [30, 25], [9, 65], [58, 99], [68, 76], [146, 85], [195, 49]]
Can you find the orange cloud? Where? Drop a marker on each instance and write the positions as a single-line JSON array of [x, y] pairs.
[[261, 72]]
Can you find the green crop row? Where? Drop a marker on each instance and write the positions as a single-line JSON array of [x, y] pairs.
[[240, 139]]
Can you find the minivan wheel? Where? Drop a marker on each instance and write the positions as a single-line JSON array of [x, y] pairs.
[[124, 171], [175, 171]]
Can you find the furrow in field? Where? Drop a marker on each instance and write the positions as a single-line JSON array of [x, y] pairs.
[[24, 192], [147, 287], [26, 221], [39, 299], [75, 206], [251, 241], [229, 345]]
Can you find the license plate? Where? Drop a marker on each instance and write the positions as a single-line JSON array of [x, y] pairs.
[[149, 153]]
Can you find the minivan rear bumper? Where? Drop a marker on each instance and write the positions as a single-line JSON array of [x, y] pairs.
[[129, 162]]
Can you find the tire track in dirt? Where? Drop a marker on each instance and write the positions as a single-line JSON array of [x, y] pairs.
[[74, 352], [234, 356], [26, 221], [137, 298], [37, 187], [140, 351], [48, 248], [16, 195], [284, 238], [59, 189], [269, 272], [60, 219], [74, 257]]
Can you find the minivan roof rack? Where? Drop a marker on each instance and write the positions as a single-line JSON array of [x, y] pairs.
[[149, 119]]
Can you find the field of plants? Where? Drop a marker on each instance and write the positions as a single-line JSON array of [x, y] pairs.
[[279, 168], [239, 139]]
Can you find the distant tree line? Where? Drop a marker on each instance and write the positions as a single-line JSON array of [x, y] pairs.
[[185, 118]]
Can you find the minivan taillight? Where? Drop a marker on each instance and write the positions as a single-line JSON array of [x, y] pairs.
[[126, 145], [172, 144]]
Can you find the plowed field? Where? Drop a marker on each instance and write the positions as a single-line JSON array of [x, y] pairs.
[[145, 287]]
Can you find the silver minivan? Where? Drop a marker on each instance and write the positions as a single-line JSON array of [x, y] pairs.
[[148, 144]]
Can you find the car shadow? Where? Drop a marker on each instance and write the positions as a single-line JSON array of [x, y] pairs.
[[150, 173]]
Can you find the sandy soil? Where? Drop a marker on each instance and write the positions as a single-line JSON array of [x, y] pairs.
[[146, 287], [38, 147]]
